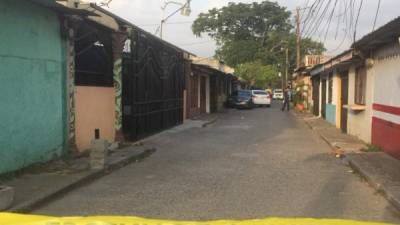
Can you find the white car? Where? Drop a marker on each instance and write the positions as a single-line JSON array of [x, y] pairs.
[[261, 98], [278, 94]]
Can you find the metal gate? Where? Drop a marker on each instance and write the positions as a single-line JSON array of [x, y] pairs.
[[152, 90]]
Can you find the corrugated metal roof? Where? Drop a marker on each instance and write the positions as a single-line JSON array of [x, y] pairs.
[[56, 6], [388, 33], [212, 64]]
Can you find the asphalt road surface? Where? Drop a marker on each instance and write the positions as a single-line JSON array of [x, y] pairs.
[[250, 164]]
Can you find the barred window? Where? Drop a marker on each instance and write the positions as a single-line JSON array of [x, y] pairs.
[[360, 86]]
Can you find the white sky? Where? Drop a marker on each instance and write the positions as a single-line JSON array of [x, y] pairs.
[[147, 14]]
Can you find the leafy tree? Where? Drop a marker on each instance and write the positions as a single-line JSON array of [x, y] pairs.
[[240, 21], [258, 74], [253, 34]]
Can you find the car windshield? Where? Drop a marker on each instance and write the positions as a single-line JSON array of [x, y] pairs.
[[278, 91], [259, 93], [244, 93]]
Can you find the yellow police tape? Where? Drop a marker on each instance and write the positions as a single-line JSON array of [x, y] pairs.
[[16, 219]]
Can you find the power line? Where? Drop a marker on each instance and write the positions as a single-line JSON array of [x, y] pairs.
[[169, 23], [321, 15], [330, 20], [356, 24], [376, 15]]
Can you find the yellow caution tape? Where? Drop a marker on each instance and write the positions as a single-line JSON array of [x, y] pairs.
[[16, 219]]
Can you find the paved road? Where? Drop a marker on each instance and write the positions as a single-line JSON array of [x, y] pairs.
[[250, 164]]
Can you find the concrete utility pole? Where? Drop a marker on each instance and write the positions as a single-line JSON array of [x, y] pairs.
[[298, 38], [286, 66]]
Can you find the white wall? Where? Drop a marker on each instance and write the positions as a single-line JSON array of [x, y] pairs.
[[336, 83], [387, 79], [360, 123], [208, 110]]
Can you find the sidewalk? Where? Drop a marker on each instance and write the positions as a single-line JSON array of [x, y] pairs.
[[380, 170], [43, 183], [53, 179], [340, 142]]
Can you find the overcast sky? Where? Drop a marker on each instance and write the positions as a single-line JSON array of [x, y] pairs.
[[147, 14]]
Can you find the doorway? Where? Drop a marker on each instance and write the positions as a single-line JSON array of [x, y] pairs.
[[203, 94], [323, 99], [344, 101], [316, 84]]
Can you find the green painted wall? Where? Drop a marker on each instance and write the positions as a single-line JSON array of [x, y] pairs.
[[331, 113], [32, 89]]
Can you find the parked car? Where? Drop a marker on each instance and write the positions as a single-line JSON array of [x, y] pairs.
[[241, 99], [261, 98], [278, 94]]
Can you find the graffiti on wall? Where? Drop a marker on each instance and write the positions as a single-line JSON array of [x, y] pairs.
[[118, 93], [71, 87], [118, 47]]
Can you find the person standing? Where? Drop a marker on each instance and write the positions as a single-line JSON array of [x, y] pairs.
[[286, 99]]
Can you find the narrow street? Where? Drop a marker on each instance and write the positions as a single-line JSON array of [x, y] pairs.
[[249, 164]]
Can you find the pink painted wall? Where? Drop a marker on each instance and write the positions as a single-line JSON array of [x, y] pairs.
[[94, 110]]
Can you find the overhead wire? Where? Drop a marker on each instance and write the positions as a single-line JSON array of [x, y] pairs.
[[318, 20], [357, 18], [376, 15]]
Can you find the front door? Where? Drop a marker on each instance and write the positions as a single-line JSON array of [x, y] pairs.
[[203, 94], [344, 102], [323, 99], [316, 85]]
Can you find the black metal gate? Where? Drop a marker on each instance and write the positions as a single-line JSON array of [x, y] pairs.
[[152, 90]]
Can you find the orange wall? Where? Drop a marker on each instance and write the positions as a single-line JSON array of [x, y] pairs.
[[94, 110]]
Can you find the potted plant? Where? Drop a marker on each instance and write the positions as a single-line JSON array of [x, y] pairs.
[[298, 100]]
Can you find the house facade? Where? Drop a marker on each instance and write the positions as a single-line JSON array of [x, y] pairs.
[[76, 72], [359, 89], [336, 81], [125, 83], [302, 82], [208, 85], [33, 94], [381, 52]]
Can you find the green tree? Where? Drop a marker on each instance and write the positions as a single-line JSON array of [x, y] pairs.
[[240, 21], [253, 33], [258, 74]]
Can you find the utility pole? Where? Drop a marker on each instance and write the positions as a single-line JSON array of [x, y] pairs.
[[298, 38], [286, 66]]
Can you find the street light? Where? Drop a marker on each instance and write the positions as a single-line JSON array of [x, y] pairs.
[[184, 9]]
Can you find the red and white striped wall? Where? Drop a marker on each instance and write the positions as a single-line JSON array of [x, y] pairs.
[[386, 128], [386, 107]]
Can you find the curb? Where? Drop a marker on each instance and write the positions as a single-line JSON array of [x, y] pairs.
[[92, 175], [378, 187], [356, 168], [210, 122]]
